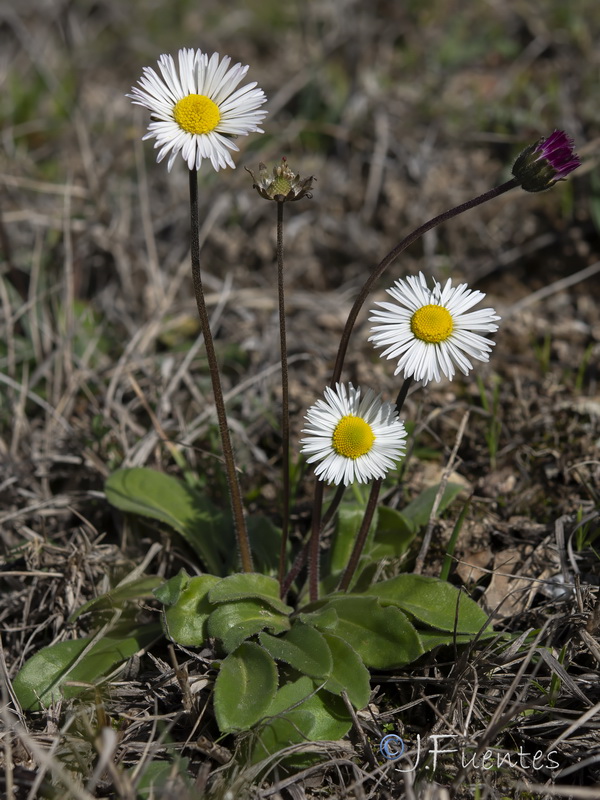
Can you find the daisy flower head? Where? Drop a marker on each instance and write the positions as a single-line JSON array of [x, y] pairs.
[[354, 435], [432, 331], [196, 108]]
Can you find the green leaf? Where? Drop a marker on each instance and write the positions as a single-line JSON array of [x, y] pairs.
[[299, 714], [383, 640], [170, 591], [393, 536], [432, 601], [138, 589], [303, 648], [349, 520], [245, 688], [265, 543], [390, 534], [236, 621], [417, 513], [433, 639], [349, 674], [186, 619], [42, 679], [157, 778], [246, 585], [323, 619], [153, 494]]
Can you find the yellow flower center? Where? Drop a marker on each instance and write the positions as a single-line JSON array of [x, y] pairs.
[[352, 437], [432, 323], [197, 114], [280, 186]]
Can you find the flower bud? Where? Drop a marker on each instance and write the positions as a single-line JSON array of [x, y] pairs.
[[544, 163]]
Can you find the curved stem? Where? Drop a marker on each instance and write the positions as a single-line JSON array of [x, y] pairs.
[[285, 403], [300, 559], [333, 506], [393, 255], [299, 562], [232, 476], [362, 535], [313, 553], [403, 393]]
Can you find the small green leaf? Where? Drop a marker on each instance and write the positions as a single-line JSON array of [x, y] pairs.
[[265, 543], [303, 648], [186, 620], [236, 621], [169, 592], [383, 640], [138, 589], [301, 714], [157, 779], [245, 688], [349, 520], [249, 585], [417, 513], [432, 601], [42, 679], [153, 494], [322, 619], [349, 674], [393, 535]]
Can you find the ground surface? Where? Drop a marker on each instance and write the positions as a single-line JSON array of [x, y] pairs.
[[400, 110]]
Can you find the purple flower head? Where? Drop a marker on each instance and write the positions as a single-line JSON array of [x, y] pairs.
[[557, 149], [544, 163]]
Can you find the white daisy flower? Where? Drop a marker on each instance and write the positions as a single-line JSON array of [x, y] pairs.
[[196, 110], [430, 331], [354, 439]]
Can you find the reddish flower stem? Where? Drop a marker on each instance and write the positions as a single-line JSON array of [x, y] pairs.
[[228, 457], [285, 403], [393, 255]]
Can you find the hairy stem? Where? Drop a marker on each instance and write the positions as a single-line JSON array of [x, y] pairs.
[[403, 393], [393, 255], [300, 559], [285, 403], [313, 554], [232, 476], [362, 535]]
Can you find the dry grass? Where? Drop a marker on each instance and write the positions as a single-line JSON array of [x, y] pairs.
[[401, 111]]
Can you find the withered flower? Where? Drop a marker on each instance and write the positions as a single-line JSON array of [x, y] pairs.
[[282, 185]]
